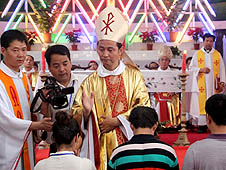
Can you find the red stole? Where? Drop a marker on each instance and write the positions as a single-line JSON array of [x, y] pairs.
[[118, 100]]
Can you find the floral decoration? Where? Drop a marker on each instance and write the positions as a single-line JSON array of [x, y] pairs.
[[196, 33], [149, 37], [73, 36], [32, 36]]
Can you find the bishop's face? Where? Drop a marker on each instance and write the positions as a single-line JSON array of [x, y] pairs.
[[164, 62], [109, 54]]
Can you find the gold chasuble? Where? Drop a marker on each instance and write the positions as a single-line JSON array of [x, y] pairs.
[[14, 98], [201, 78], [114, 95]]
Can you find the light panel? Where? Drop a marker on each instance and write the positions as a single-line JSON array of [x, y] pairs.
[[62, 28], [84, 28], [158, 28], [180, 36], [14, 15], [137, 27]]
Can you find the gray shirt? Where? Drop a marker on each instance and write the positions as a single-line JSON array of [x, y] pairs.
[[207, 154]]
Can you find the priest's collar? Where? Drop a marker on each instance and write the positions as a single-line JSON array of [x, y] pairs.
[[28, 72], [168, 68], [9, 71], [207, 51], [103, 72]]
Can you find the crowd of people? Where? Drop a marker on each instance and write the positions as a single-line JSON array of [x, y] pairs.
[[108, 121]]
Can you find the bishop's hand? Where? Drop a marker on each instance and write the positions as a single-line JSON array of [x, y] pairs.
[[87, 102]]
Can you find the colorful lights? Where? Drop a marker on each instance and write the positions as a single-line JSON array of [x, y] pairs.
[[137, 27], [18, 21], [7, 8], [84, 28], [135, 12], [209, 8], [66, 3], [181, 35], [150, 10], [62, 28], [204, 23], [35, 27], [205, 14], [14, 14], [158, 28], [79, 5]]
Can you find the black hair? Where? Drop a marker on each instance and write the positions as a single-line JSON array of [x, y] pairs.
[[119, 45], [216, 108], [143, 117], [64, 128], [56, 49], [12, 35], [188, 59], [207, 35], [36, 64]]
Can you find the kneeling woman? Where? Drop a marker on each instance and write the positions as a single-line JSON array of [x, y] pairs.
[[65, 134]]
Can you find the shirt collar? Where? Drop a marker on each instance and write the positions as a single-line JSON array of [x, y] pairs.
[[73, 80], [27, 72], [103, 72], [168, 68], [208, 52], [217, 136], [9, 71]]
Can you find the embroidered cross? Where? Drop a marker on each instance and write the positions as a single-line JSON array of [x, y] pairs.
[[201, 89], [216, 62], [200, 61], [201, 75], [108, 23]]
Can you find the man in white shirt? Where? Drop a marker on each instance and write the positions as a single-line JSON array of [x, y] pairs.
[[16, 144], [59, 64]]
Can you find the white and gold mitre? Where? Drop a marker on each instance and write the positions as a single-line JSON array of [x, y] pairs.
[[165, 51], [111, 25]]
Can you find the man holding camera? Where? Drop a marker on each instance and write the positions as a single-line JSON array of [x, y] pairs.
[[59, 64], [16, 144]]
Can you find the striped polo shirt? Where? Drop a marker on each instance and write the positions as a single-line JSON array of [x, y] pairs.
[[143, 152]]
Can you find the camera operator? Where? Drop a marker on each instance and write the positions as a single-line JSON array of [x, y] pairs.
[[59, 64]]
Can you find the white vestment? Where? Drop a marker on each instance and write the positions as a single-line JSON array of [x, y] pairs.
[[209, 78], [14, 131]]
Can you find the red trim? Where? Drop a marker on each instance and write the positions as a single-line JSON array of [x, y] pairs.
[[96, 143], [25, 138]]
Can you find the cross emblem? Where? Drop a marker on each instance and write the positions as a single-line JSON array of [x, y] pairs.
[[201, 89], [200, 61], [108, 23], [201, 75], [216, 62]]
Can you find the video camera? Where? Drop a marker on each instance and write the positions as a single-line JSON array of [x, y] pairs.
[[56, 96]]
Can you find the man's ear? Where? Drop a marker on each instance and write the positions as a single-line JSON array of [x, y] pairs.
[[208, 119], [154, 127], [121, 50], [3, 50], [132, 127]]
